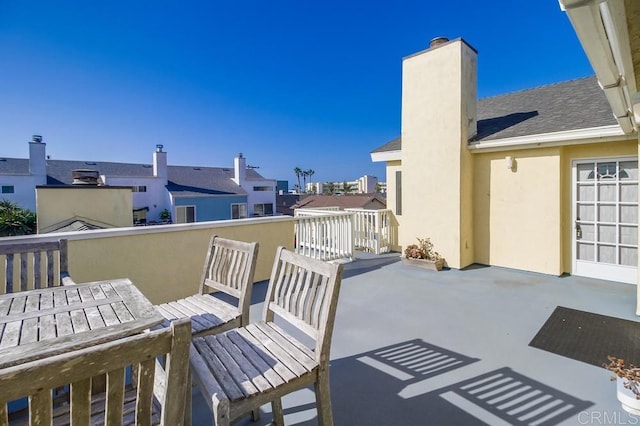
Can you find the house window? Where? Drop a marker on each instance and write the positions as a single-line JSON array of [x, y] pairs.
[[8, 189], [185, 214], [141, 188], [263, 209], [262, 188], [238, 211], [399, 193]]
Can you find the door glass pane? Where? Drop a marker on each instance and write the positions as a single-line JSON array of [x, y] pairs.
[[607, 171], [585, 171], [586, 192], [607, 233], [585, 251], [607, 213], [588, 232], [586, 212], [628, 170], [607, 192], [607, 254], [629, 192], [629, 214], [628, 234], [629, 256]]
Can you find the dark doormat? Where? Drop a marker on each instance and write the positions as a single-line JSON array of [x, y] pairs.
[[589, 337]]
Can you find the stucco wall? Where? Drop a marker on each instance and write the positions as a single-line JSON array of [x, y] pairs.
[[165, 262], [438, 93], [108, 205], [523, 217], [517, 212]]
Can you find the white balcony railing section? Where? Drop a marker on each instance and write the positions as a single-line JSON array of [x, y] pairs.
[[329, 234], [324, 234], [372, 230]]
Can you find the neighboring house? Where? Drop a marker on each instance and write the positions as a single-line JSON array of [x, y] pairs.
[[354, 201], [544, 180], [285, 203], [190, 194]]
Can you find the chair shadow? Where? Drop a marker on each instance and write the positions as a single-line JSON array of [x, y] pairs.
[[365, 392]]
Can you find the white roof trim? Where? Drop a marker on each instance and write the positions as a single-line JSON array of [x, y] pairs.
[[566, 137], [395, 155]]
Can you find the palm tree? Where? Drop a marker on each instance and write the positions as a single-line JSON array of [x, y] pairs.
[[15, 220], [298, 172], [310, 173], [346, 187]]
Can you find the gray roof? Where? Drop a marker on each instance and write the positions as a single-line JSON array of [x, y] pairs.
[[569, 105], [183, 181]]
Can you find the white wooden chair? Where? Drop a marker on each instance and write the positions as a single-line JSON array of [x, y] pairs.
[[242, 369], [158, 397], [37, 264], [229, 267]]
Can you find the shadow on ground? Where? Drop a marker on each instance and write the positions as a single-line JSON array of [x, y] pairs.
[[369, 388]]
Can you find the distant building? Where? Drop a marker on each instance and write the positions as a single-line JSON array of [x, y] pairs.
[[364, 185], [187, 193], [282, 187]]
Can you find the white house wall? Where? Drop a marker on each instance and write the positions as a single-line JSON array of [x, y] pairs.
[[155, 198]]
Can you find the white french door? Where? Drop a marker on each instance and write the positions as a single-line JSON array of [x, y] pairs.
[[605, 219]]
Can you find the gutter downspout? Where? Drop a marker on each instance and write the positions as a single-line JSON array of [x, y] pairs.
[[593, 23]]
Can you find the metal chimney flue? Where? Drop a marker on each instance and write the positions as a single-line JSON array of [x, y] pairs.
[[85, 177], [437, 41], [36, 138]]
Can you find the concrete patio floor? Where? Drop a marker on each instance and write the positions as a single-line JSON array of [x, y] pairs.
[[481, 317]]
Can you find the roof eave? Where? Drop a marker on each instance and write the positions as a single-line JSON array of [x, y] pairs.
[[601, 27], [384, 156], [567, 137]]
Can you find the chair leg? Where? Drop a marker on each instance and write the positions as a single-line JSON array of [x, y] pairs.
[[187, 401], [323, 399], [255, 415], [276, 408]]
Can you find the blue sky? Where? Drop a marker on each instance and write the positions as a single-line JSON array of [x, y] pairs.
[[288, 83]]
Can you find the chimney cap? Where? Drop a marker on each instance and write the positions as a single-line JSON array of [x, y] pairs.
[[437, 41], [36, 138], [240, 155], [159, 147]]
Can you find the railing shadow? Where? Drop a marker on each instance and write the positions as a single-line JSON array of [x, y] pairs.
[[362, 266]]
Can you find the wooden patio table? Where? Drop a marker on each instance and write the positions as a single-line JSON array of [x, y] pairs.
[[36, 324]]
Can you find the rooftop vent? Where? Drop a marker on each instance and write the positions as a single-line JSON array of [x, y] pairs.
[[90, 163], [437, 41], [85, 177], [36, 138], [159, 148]]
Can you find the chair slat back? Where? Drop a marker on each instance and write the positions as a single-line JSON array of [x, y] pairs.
[[36, 379], [304, 292], [229, 267], [33, 265]]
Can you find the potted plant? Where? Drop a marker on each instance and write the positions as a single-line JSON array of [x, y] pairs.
[[423, 255], [627, 377], [165, 216]]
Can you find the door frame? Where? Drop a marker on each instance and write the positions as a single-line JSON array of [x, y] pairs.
[[594, 269]]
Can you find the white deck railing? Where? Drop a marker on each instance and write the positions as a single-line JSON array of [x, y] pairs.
[[328, 233], [324, 234], [372, 230]]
